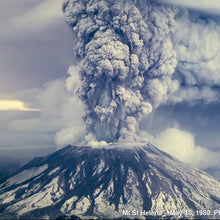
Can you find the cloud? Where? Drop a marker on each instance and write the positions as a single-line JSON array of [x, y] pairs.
[[38, 17], [193, 94], [41, 15], [126, 61], [181, 144], [60, 119], [6, 105], [61, 110], [162, 54], [211, 6], [197, 45]]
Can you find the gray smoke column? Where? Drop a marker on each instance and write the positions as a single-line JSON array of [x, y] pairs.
[[126, 62]]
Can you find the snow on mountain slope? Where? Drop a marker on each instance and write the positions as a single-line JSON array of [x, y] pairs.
[[130, 181]]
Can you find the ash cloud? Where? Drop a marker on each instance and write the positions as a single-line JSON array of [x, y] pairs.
[[197, 44], [126, 62], [134, 56]]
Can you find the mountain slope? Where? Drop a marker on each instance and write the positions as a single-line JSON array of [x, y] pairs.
[[108, 182]]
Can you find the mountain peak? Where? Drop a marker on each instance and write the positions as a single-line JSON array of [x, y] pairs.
[[121, 180]]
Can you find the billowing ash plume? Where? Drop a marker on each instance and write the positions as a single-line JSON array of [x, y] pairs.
[[126, 61], [197, 44]]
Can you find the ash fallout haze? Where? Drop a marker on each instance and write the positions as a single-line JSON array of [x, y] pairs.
[[109, 74]]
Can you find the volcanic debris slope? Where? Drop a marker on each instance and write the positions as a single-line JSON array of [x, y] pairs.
[[104, 182]]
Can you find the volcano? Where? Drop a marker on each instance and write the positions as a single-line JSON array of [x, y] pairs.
[[114, 181]]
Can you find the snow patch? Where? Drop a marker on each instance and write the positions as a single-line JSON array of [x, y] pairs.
[[53, 171], [82, 206], [25, 175], [49, 195], [131, 193], [67, 206], [10, 195], [99, 168]]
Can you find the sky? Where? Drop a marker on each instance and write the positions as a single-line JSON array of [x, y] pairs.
[[38, 114], [23, 25]]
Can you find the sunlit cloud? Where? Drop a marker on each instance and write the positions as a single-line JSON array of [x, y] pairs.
[[6, 105]]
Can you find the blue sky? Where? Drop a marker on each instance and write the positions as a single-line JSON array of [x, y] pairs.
[[35, 54]]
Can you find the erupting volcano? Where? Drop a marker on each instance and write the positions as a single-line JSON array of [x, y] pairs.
[[125, 59]]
